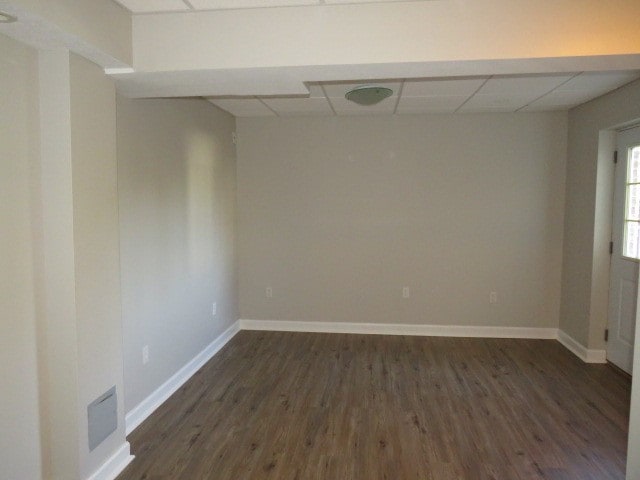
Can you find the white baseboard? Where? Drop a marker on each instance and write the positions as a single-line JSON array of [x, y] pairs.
[[586, 355], [400, 329], [582, 352], [145, 408], [114, 465]]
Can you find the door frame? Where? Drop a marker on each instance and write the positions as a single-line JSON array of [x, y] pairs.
[[617, 157]]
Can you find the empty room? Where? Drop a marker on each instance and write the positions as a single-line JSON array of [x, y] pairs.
[[319, 239]]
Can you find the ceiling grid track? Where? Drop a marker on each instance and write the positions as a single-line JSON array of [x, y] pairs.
[[549, 92], [267, 105], [395, 109], [491, 94], [328, 100], [473, 94]]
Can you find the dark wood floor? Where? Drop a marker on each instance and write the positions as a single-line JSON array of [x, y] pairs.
[[366, 407]]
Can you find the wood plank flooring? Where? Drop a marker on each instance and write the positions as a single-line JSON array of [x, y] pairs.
[[305, 406]]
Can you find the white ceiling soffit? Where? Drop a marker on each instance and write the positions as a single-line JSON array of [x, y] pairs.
[[289, 81], [152, 6], [245, 107], [159, 6], [227, 4], [42, 34], [499, 93], [298, 106]]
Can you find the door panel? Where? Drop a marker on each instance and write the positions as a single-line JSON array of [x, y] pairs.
[[623, 288], [627, 309]]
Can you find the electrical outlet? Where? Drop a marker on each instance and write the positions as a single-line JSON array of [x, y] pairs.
[[405, 292], [493, 297], [214, 309], [145, 354], [269, 292]]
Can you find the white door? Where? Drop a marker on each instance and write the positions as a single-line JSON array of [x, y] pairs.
[[626, 251]]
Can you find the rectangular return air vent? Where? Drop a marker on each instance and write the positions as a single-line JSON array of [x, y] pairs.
[[103, 417]]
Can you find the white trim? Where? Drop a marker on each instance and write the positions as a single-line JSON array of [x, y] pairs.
[[110, 469], [400, 329], [118, 71], [586, 355], [145, 408], [582, 352]]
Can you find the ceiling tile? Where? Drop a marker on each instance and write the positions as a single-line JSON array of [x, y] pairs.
[[497, 102], [227, 4], [566, 99], [434, 86], [531, 85], [544, 108], [582, 88], [487, 109], [505, 93], [599, 82], [146, 6], [342, 106], [339, 89], [243, 107], [433, 104], [299, 106]]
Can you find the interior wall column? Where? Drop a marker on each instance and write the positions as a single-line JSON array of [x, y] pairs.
[[58, 349]]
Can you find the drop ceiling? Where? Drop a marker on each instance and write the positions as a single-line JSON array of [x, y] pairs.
[[498, 93], [274, 81], [157, 6]]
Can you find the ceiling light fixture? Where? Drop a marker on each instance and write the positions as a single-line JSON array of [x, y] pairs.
[[368, 94], [6, 18]]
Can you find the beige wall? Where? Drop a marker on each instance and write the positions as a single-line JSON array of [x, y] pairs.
[[587, 229], [102, 23], [19, 422], [338, 214], [61, 305], [55, 271], [61, 320], [176, 181], [96, 250]]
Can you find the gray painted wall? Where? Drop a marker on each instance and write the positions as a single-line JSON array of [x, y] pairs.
[[176, 182], [336, 215], [587, 228], [19, 418], [585, 276]]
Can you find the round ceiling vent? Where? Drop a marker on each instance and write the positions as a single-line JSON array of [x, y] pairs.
[[6, 18], [368, 94]]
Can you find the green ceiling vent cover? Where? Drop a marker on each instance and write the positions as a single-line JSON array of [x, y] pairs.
[[368, 94], [7, 18]]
